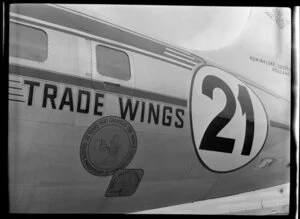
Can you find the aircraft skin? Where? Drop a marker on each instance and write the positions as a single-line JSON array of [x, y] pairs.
[[178, 129]]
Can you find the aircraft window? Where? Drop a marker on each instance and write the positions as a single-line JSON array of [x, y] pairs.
[[27, 43], [112, 63]]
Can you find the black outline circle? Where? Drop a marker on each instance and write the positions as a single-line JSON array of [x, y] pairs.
[[128, 158], [191, 120]]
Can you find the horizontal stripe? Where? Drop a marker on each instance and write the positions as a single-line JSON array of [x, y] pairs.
[[180, 55], [21, 95], [85, 24], [82, 82], [98, 40], [14, 81], [168, 54], [198, 59], [180, 51], [16, 100], [15, 88], [279, 125]]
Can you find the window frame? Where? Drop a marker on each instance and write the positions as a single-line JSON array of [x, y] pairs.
[[118, 50], [35, 28]]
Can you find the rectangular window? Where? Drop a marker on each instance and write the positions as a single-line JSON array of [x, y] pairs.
[[27, 43], [112, 63]]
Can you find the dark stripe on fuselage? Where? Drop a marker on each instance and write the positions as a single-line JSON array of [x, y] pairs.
[[197, 58], [16, 100], [21, 95], [100, 41], [181, 56], [96, 27], [82, 82], [15, 88], [279, 125], [180, 60], [14, 81]]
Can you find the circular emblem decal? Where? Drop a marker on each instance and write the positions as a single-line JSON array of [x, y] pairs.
[[228, 122], [108, 144]]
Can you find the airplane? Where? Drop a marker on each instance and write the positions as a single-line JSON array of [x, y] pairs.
[[103, 119]]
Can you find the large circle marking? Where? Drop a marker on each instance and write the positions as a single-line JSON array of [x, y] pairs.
[[203, 110]]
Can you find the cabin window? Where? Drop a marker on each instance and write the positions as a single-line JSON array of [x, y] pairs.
[[27, 43], [112, 63]]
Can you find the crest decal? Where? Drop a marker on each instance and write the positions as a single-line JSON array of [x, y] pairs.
[[108, 144]]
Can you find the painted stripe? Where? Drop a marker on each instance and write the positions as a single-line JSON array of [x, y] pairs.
[[16, 100], [170, 56], [178, 57], [14, 81], [191, 58], [100, 41], [195, 57], [279, 125], [180, 51], [21, 95], [82, 82], [75, 21], [15, 88]]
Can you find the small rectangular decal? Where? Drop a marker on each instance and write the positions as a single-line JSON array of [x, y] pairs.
[[124, 182]]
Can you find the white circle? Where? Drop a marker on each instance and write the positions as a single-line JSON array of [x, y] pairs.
[[204, 109]]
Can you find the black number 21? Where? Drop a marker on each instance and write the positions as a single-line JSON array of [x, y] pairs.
[[210, 141]]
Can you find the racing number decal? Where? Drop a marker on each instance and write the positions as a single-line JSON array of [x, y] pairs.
[[210, 141], [247, 108], [228, 122]]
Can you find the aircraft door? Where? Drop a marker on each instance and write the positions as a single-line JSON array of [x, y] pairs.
[[112, 75]]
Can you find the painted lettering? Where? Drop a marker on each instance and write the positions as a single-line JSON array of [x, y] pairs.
[[153, 113], [85, 108], [167, 119], [128, 107], [31, 90], [67, 95], [179, 124], [50, 96], [143, 111], [98, 104]]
